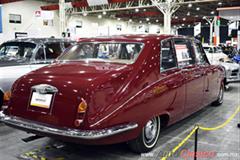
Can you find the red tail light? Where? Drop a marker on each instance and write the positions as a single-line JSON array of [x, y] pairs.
[[82, 107]]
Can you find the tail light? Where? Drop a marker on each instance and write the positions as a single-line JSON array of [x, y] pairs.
[[82, 107], [7, 96]]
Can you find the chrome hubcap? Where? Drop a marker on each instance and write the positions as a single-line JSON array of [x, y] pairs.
[[150, 130]]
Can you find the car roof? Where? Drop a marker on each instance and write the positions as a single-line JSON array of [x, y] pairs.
[[131, 37], [40, 40]]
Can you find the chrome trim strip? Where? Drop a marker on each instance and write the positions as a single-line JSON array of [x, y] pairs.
[[44, 88], [66, 132]]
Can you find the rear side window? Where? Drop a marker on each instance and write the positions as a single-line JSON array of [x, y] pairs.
[[168, 58], [17, 50], [53, 50], [183, 52]]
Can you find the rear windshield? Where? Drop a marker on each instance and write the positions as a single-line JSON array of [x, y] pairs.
[[110, 52], [17, 50]]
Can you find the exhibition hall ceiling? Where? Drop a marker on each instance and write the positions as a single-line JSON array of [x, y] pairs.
[[188, 13]]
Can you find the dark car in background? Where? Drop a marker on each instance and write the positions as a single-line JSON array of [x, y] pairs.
[[21, 56]]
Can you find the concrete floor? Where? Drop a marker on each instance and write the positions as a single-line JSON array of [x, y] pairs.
[[223, 144]]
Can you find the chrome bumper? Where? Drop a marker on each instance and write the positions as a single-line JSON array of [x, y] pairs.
[[233, 78], [65, 132]]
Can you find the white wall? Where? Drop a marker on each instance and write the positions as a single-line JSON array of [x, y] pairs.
[[92, 26], [30, 24]]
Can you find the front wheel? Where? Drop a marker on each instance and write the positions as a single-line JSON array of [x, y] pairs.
[[148, 138], [219, 101]]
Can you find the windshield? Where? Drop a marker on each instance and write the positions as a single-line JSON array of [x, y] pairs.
[[16, 50], [106, 51]]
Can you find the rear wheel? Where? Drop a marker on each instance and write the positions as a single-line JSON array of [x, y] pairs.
[[148, 138], [219, 101]]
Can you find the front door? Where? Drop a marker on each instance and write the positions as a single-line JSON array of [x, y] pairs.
[[193, 74], [203, 64]]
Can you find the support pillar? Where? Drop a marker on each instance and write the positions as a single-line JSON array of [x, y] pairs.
[[217, 31], [62, 16], [211, 34], [211, 21], [167, 7], [238, 36], [167, 22]]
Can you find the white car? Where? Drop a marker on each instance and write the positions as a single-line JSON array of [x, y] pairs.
[[217, 57], [21, 56]]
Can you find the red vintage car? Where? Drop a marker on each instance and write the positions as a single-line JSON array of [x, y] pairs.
[[118, 89]]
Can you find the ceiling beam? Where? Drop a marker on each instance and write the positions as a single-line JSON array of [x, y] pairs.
[[135, 7]]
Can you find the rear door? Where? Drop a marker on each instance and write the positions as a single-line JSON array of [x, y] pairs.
[[193, 74], [171, 79]]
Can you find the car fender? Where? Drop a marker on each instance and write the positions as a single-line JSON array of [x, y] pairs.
[[133, 110]]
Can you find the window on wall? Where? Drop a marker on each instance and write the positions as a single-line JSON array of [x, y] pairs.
[[183, 52], [168, 58], [119, 27], [15, 18]]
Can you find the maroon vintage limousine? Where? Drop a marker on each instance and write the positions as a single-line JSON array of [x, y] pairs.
[[118, 89]]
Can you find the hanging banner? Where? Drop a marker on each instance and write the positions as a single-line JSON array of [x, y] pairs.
[[45, 15], [1, 19], [230, 13], [97, 2], [232, 26], [197, 29]]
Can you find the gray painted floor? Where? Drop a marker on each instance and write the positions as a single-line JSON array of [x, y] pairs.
[[223, 144]]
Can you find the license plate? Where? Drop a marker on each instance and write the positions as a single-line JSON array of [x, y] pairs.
[[41, 100]]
